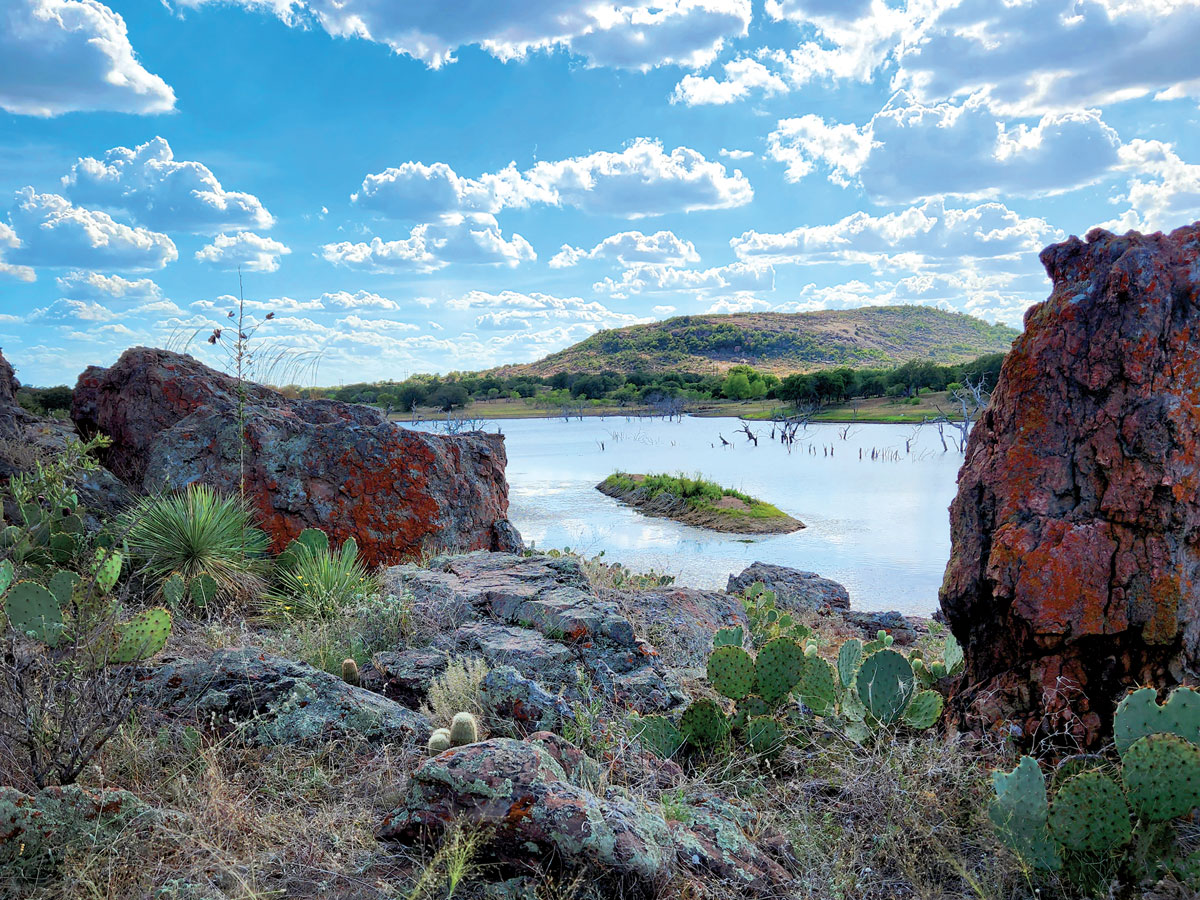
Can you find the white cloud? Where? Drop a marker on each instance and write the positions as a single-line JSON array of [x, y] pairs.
[[94, 285], [641, 180], [743, 76], [662, 310], [739, 276], [738, 303], [914, 238], [465, 239], [8, 238], [357, 300], [67, 312], [630, 248], [1163, 192], [737, 154], [59, 56], [909, 151], [54, 233], [513, 309], [245, 249], [634, 34], [379, 324], [149, 184]]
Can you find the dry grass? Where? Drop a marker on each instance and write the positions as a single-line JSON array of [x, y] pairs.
[[456, 690]]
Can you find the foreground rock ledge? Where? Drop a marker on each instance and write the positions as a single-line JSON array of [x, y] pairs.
[[339, 467], [1074, 570]]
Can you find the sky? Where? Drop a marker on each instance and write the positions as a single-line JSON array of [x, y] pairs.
[[428, 185]]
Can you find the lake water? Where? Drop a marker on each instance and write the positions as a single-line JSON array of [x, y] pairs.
[[880, 527]]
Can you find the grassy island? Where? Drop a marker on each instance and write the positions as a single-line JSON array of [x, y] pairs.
[[695, 501]]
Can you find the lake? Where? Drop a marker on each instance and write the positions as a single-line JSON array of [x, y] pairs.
[[880, 527]]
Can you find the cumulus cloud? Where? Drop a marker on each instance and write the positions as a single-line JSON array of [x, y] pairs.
[[245, 249], [739, 276], [159, 191], [95, 286], [8, 238], [59, 56], [66, 312], [54, 233], [466, 239], [630, 248], [355, 322], [1163, 191], [357, 300], [742, 76], [634, 34], [913, 238], [908, 151], [662, 310], [641, 180], [513, 309]]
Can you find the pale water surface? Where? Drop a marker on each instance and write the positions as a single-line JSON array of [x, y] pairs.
[[880, 527]]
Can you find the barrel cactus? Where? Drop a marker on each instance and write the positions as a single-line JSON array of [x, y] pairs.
[[463, 729]]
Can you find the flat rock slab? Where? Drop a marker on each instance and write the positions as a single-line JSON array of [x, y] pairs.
[[794, 589], [283, 702], [538, 615]]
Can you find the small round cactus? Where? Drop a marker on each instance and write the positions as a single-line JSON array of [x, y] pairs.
[[350, 671], [463, 729], [439, 741]]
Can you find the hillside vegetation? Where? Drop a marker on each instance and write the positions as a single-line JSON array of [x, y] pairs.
[[877, 336]]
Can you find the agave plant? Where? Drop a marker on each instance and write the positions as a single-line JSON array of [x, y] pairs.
[[199, 536]]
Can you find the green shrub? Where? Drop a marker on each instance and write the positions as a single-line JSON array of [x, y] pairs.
[[198, 534], [315, 581]]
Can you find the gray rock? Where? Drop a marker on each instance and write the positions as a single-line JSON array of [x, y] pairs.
[[510, 695], [283, 702], [404, 676], [794, 589]]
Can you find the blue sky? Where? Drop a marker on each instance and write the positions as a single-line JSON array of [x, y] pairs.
[[430, 186]]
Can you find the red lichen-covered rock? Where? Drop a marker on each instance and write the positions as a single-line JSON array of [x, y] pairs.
[[304, 463], [1074, 567], [8, 382]]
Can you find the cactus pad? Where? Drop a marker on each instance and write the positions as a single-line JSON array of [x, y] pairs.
[[749, 707], [728, 637], [923, 710], [141, 637], [1090, 814], [1139, 714], [885, 684], [780, 666], [656, 734], [764, 735], [731, 671], [203, 590], [953, 655], [107, 569], [850, 655], [174, 589], [703, 724], [1019, 811], [7, 576], [33, 610], [1162, 776], [817, 688], [62, 586]]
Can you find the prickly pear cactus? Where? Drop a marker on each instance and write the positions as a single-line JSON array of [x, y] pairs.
[[7, 576], [885, 685], [174, 589], [765, 736], [779, 666], [141, 637], [849, 658], [463, 729], [33, 610], [310, 540], [728, 637], [203, 590], [703, 724], [731, 670], [1139, 714], [817, 688], [747, 708], [107, 569], [1162, 776], [1089, 813], [923, 710], [656, 734], [62, 586], [1020, 811], [952, 655]]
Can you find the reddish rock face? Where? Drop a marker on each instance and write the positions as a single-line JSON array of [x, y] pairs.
[[1075, 570], [8, 382], [334, 466]]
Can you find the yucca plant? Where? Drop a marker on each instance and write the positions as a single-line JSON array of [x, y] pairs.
[[200, 536], [314, 580]]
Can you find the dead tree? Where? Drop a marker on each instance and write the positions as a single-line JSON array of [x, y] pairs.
[[972, 399]]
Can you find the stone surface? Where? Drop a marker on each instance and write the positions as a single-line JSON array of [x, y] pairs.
[[1074, 566], [680, 622], [284, 702], [537, 802], [405, 675], [530, 707], [339, 467], [794, 589], [537, 615]]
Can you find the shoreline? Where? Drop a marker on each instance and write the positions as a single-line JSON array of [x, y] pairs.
[[678, 509]]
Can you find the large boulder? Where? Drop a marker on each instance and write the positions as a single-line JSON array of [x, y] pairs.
[[794, 588], [1074, 570], [339, 467]]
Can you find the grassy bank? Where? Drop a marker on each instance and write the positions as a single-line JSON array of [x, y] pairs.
[[696, 501]]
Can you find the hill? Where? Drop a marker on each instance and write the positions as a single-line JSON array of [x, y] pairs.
[[876, 336]]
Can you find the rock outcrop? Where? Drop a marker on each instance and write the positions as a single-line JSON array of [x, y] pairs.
[[339, 467], [539, 802], [1075, 570], [537, 615], [794, 588]]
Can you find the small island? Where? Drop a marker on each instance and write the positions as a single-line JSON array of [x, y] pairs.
[[695, 501]]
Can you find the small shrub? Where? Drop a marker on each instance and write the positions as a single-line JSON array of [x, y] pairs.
[[198, 534], [457, 689], [319, 582]]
